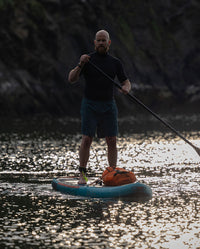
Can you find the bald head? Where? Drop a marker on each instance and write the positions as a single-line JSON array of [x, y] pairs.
[[103, 32], [102, 41]]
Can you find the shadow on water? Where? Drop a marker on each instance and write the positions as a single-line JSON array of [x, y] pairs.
[[35, 216]]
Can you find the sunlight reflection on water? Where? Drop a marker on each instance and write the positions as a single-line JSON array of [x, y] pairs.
[[33, 215]]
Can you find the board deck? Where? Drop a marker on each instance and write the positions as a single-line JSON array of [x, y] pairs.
[[70, 186]]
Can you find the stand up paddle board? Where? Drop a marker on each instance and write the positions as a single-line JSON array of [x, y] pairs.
[[70, 186]]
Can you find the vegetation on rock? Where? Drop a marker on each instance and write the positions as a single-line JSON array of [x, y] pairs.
[[40, 41]]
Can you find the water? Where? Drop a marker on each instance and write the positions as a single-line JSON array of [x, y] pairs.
[[35, 216]]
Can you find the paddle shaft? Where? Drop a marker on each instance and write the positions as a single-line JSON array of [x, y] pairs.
[[144, 106]]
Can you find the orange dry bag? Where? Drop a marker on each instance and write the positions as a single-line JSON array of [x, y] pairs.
[[117, 176]]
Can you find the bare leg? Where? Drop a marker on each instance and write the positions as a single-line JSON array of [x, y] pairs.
[[84, 153], [112, 151]]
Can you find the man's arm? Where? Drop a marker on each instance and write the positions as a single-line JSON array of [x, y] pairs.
[[126, 86], [75, 73]]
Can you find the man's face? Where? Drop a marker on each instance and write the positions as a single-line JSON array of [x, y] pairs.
[[102, 43]]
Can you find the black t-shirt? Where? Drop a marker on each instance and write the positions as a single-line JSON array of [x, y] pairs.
[[98, 86]]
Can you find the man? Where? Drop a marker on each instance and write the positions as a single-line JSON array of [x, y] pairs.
[[98, 109]]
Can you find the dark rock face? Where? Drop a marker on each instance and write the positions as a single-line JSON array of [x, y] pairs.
[[40, 41]]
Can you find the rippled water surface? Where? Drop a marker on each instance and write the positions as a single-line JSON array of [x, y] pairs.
[[35, 216]]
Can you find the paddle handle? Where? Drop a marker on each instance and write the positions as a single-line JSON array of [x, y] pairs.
[[144, 106]]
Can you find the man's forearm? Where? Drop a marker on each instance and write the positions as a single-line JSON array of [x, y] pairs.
[[74, 74]]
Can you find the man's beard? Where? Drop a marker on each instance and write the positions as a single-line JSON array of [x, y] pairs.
[[101, 49]]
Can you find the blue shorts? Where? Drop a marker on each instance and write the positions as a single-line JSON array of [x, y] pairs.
[[99, 117]]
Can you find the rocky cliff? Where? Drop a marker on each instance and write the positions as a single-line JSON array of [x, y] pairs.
[[41, 40]]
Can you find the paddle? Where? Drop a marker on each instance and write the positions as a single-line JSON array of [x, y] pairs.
[[147, 108]]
